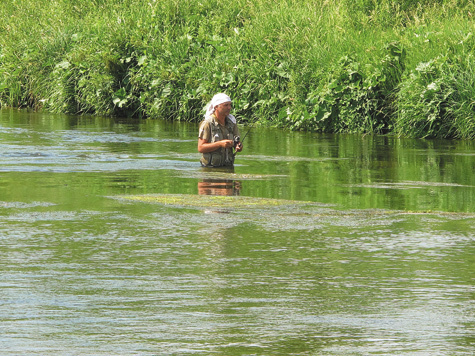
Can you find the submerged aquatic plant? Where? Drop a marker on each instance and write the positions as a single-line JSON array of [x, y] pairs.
[[211, 201]]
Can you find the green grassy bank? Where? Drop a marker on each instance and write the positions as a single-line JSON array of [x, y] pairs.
[[389, 66]]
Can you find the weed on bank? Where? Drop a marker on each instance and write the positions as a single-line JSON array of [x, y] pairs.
[[365, 66]]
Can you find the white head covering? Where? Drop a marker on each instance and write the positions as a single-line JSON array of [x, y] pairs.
[[217, 99]]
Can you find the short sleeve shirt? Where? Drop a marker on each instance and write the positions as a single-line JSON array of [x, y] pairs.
[[205, 130]]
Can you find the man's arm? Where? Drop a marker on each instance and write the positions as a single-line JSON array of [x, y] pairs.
[[206, 147]]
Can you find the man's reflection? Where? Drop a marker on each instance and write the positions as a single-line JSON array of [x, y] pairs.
[[219, 187]]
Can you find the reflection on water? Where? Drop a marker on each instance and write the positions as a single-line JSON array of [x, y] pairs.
[[219, 186], [381, 261]]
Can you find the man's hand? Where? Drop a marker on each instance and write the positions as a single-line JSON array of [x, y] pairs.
[[226, 143], [239, 147], [205, 146]]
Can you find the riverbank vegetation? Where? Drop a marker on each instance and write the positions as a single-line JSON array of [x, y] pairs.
[[345, 66]]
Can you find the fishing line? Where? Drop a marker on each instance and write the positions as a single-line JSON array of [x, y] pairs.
[[250, 128]]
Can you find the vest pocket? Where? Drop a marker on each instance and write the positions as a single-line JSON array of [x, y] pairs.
[[216, 159]]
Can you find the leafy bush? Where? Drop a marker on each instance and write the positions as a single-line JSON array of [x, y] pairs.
[[308, 65], [436, 99], [354, 100]]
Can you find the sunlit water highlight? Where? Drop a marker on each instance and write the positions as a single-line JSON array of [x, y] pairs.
[[337, 245]]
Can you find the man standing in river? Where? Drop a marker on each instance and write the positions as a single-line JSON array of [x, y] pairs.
[[218, 133]]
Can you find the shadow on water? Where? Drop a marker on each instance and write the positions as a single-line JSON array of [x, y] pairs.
[[114, 242]]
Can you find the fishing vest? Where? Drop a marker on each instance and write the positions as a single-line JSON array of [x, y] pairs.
[[222, 156]]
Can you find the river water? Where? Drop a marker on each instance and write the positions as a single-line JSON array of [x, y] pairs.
[[114, 241]]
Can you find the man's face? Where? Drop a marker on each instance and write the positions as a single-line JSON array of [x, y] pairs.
[[223, 109]]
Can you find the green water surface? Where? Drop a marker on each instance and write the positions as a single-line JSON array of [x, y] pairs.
[[114, 241]]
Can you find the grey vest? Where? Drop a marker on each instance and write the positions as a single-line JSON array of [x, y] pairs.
[[222, 156]]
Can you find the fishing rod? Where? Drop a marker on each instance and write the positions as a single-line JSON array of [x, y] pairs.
[[250, 128], [238, 140]]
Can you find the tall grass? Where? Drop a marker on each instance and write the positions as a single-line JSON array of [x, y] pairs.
[[438, 99], [325, 65]]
